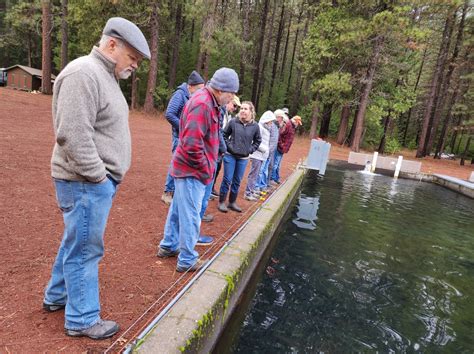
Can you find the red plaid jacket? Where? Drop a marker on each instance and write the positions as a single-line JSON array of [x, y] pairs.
[[196, 153], [285, 139]]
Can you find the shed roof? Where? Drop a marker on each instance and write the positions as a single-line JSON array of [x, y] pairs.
[[29, 70]]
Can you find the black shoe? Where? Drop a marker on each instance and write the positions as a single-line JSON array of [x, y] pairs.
[[164, 253], [196, 266], [53, 307], [101, 330]]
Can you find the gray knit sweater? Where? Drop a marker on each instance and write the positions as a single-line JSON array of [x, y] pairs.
[[90, 116]]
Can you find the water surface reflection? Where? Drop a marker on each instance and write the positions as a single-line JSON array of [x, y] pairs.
[[367, 263]]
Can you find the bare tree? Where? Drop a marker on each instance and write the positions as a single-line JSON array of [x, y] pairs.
[[435, 81], [46, 58], [343, 124], [258, 58], [151, 84], [64, 34], [447, 81], [367, 87], [176, 41]]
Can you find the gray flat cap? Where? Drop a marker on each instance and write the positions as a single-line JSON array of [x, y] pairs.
[[121, 28]]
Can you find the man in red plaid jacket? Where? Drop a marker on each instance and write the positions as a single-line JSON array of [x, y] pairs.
[[193, 167]]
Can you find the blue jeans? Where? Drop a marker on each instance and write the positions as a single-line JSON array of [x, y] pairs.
[[169, 184], [183, 221], [207, 194], [276, 166], [253, 176], [75, 274], [234, 169], [265, 171]]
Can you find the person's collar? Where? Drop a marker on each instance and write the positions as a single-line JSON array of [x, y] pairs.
[[107, 62], [214, 100]]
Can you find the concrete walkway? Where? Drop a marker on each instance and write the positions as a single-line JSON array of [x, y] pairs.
[[455, 184]]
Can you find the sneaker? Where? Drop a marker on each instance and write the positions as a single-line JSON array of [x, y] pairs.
[[204, 240], [167, 198], [207, 218], [250, 197], [196, 266], [164, 253], [101, 330], [53, 307], [214, 194], [212, 197]]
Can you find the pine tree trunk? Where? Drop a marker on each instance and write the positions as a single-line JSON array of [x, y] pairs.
[[387, 122], [327, 112], [368, 82], [352, 131], [30, 53], [414, 90], [46, 57], [64, 34], [447, 81], [245, 36], [277, 50], [446, 122], [466, 149], [266, 55], [285, 51], [151, 84], [297, 93], [314, 119], [176, 41], [134, 98], [208, 27], [343, 124], [295, 45], [258, 58], [424, 134]]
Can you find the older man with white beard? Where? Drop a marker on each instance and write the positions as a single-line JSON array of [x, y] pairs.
[[92, 153]]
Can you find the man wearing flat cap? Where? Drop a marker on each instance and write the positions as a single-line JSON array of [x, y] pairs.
[[91, 155], [193, 166], [172, 114]]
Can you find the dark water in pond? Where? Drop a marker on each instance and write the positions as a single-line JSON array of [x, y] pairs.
[[367, 263]]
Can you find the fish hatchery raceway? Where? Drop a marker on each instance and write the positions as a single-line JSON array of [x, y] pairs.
[[133, 281]]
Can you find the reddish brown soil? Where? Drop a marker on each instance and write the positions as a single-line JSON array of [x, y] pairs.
[[133, 281]]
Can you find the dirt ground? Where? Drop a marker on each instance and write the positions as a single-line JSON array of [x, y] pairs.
[[134, 284]]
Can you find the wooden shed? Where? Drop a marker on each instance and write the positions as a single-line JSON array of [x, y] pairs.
[[22, 77]]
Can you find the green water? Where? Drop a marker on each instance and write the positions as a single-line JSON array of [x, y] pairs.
[[367, 263]]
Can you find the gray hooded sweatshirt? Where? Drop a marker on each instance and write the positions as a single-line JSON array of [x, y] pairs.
[[90, 116]]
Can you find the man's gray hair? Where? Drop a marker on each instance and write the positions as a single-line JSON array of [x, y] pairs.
[[105, 39]]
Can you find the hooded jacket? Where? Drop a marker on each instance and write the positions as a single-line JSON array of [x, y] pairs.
[[176, 105], [264, 148], [242, 139]]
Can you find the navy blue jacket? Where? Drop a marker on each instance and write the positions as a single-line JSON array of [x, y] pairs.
[[175, 107]]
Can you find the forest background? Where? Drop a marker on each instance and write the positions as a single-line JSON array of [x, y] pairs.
[[378, 75]]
